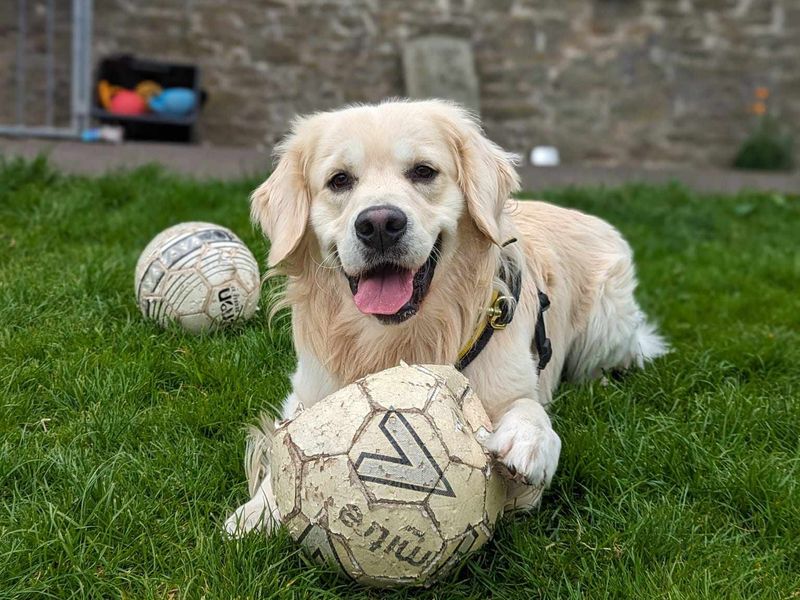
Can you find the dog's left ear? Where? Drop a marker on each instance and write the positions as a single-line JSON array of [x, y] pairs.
[[281, 204], [487, 178]]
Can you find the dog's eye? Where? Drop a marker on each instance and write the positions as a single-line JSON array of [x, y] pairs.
[[340, 181], [422, 173]]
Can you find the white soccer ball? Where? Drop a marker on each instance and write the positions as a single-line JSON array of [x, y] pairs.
[[386, 479], [198, 274]]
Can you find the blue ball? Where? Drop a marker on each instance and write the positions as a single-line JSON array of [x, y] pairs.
[[174, 102]]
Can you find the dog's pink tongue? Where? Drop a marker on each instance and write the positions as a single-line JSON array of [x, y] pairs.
[[385, 293]]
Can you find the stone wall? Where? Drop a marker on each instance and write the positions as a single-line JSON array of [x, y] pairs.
[[665, 82]]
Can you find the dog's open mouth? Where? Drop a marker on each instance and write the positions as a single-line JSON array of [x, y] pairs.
[[393, 293]]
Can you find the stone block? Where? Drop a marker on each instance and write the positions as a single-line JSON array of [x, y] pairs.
[[441, 67]]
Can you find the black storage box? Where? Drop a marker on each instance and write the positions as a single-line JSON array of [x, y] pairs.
[[127, 71]]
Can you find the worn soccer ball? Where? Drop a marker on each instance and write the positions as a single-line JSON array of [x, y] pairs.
[[198, 274], [386, 478]]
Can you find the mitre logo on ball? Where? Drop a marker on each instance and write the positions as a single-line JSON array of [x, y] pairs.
[[386, 478], [410, 466]]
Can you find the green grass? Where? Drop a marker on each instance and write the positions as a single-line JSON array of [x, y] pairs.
[[121, 445]]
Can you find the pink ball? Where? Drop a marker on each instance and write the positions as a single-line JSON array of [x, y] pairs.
[[126, 102]]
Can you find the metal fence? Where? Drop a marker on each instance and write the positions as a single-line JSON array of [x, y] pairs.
[[80, 70]]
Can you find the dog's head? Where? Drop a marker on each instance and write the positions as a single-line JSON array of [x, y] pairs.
[[382, 190]]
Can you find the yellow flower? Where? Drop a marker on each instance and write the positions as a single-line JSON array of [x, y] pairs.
[[762, 93], [758, 108]]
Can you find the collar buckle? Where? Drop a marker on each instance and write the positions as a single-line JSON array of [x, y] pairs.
[[497, 313]]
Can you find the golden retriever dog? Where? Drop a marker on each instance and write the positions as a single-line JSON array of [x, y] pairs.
[[396, 230]]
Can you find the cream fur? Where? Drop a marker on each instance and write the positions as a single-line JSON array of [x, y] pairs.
[[581, 262]]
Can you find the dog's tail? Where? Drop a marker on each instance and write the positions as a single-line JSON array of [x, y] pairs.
[[649, 344], [257, 452]]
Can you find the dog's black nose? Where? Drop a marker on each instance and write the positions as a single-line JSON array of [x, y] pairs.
[[381, 227]]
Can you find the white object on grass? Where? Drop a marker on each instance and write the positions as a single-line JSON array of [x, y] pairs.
[[545, 156], [198, 274], [386, 480]]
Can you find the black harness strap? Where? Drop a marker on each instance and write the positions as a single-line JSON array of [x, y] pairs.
[[500, 315], [544, 349]]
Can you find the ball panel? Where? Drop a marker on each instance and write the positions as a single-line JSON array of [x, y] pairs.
[[182, 252], [163, 312], [295, 524], [314, 539], [400, 458], [223, 262], [452, 378], [348, 520], [332, 425], [251, 301], [284, 465], [182, 292], [250, 278], [150, 279], [217, 268], [400, 388], [455, 432], [325, 491], [457, 549], [226, 303], [522, 497], [387, 582], [152, 307], [495, 495], [196, 323], [465, 507], [346, 561], [475, 415], [395, 543], [186, 291]]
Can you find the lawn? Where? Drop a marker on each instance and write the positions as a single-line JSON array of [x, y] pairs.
[[121, 445]]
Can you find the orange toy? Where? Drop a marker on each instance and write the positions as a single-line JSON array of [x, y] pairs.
[[148, 88], [105, 92]]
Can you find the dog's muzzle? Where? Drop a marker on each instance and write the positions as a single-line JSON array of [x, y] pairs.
[[391, 292]]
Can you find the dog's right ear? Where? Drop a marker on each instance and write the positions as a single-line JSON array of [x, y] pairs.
[[281, 204], [485, 173]]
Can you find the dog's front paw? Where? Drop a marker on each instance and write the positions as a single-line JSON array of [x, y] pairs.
[[528, 447], [255, 515]]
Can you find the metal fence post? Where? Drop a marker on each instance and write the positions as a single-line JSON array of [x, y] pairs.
[[80, 69], [49, 67], [81, 63], [22, 67]]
